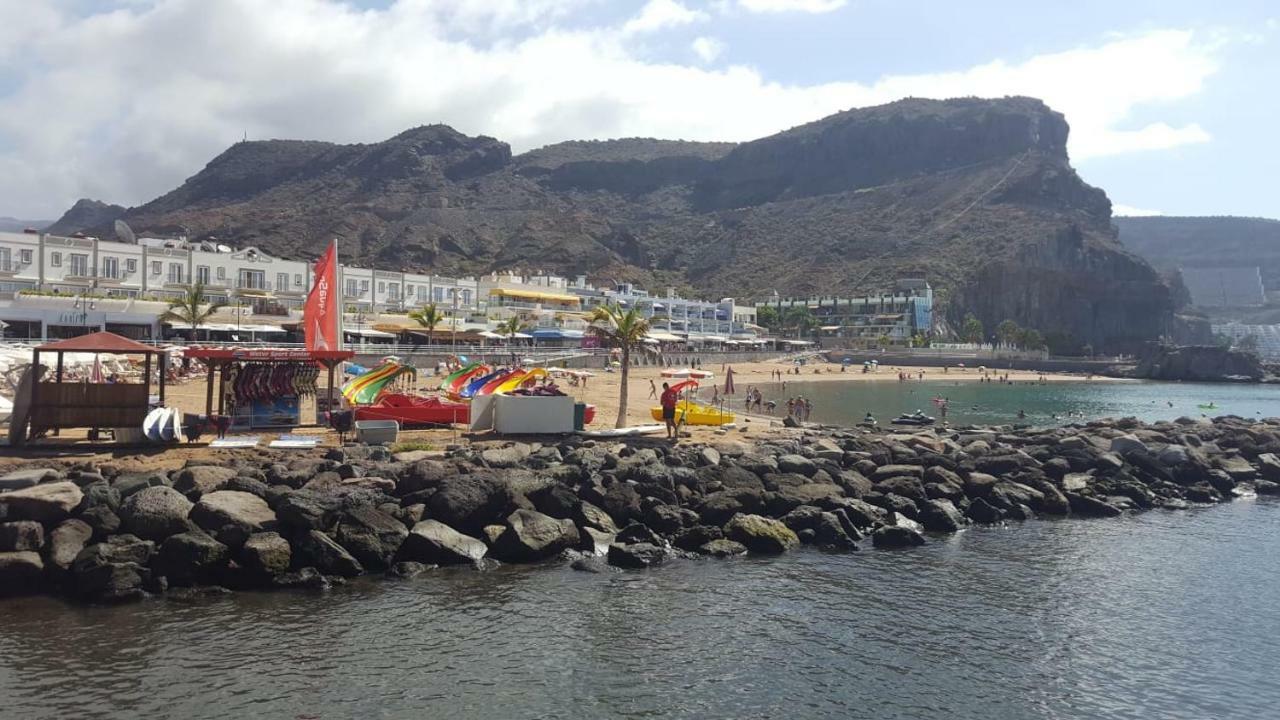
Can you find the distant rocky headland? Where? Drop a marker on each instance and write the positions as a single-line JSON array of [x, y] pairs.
[[273, 519]]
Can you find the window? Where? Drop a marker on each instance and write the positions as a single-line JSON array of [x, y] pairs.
[[408, 289], [437, 294], [282, 281], [393, 292], [156, 267], [55, 259], [353, 288], [79, 265], [26, 257], [466, 297], [175, 272], [382, 288], [364, 286], [5, 256], [422, 293], [297, 279], [222, 273], [110, 268], [202, 274], [131, 266]]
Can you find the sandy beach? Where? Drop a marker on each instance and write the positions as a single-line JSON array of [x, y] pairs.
[[600, 390]]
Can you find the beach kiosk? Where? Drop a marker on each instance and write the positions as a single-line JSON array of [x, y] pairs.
[[100, 402], [225, 363]]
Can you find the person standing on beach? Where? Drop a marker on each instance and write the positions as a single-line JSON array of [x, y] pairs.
[[668, 402], [653, 389]]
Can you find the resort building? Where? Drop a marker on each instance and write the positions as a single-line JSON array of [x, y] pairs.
[[56, 287], [865, 321]]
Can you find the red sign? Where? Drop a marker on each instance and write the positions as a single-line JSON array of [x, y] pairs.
[[320, 313]]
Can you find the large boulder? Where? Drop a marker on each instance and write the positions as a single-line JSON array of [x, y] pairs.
[[66, 541], [469, 502], [505, 457], [242, 512], [789, 497], [424, 475], [266, 554], [129, 483], [940, 516], [190, 557], [327, 555], [21, 572], [589, 515], [719, 507], [896, 536], [104, 521], [21, 535], [531, 535], [636, 556], [1090, 506], [1125, 444], [47, 503], [19, 479], [434, 543], [202, 479], [555, 500], [722, 548], [761, 534], [113, 570], [308, 509], [373, 537], [155, 513], [797, 464], [906, 486]]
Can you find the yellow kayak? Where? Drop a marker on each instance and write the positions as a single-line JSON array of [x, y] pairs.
[[516, 383], [691, 413]]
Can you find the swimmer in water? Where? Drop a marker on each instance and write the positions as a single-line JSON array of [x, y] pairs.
[[1022, 414]]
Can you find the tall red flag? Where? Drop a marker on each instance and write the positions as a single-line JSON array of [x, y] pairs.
[[320, 313]]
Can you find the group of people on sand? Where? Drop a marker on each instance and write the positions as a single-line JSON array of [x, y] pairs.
[[799, 408], [754, 399]]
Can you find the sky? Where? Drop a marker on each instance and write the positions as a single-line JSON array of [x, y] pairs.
[[1172, 104]]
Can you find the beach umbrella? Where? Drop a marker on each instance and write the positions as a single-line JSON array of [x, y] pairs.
[[728, 382], [96, 375]]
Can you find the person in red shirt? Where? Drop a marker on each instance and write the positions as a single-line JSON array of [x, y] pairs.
[[668, 401]]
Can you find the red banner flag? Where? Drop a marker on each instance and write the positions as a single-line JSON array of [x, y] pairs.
[[320, 314]]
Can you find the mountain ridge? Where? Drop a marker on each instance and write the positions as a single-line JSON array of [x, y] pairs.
[[977, 195]]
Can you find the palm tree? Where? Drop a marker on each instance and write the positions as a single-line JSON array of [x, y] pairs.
[[193, 309], [428, 317], [510, 327], [623, 329]]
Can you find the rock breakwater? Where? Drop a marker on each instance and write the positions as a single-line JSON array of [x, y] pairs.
[[269, 519]]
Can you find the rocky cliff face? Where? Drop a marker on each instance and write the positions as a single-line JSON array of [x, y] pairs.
[[1173, 242], [977, 195], [1204, 363]]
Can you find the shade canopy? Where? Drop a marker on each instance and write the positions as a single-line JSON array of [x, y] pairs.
[[100, 342]]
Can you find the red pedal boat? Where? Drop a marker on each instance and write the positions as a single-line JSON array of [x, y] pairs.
[[413, 410]]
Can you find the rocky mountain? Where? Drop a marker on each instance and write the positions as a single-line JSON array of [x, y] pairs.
[[976, 195], [86, 214], [1170, 243]]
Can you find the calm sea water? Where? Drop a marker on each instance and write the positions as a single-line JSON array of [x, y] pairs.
[[1048, 404], [1168, 615]]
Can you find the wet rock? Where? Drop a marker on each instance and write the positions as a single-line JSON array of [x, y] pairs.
[[1090, 506], [531, 535], [905, 486], [638, 533], [979, 484], [789, 497], [21, 535], [760, 534], [435, 543], [718, 508], [1269, 466], [555, 500], [636, 556], [589, 515], [371, 536], [895, 536], [593, 541], [66, 541], [241, 511], [21, 573], [589, 565], [1203, 493], [722, 548], [266, 554], [191, 557], [1237, 468], [47, 503], [114, 570], [692, 538], [940, 516], [980, 511], [665, 519], [155, 513], [307, 578], [1266, 487], [407, 570], [19, 479], [202, 479], [327, 555], [469, 502]]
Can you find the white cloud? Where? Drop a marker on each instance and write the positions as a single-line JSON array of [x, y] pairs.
[[777, 6], [707, 48], [1130, 211], [662, 14], [184, 79]]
